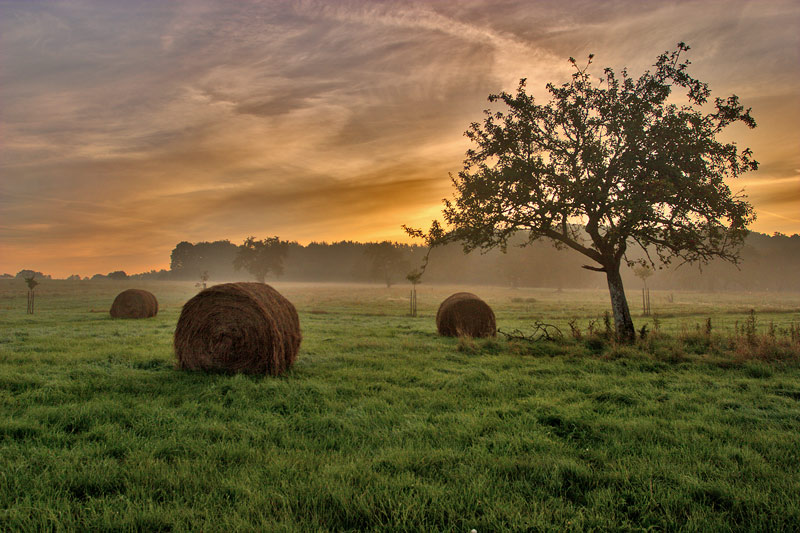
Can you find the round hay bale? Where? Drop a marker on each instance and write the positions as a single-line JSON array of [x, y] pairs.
[[238, 327], [134, 303], [464, 314]]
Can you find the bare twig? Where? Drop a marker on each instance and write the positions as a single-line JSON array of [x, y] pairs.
[[541, 331]]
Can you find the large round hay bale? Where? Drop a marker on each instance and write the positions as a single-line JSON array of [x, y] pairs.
[[134, 303], [464, 314], [238, 327]]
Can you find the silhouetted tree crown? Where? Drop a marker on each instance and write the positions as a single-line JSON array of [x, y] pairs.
[[31, 282], [261, 257], [604, 165], [190, 260], [28, 273]]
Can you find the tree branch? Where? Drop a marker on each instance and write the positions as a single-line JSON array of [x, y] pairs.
[[588, 252], [596, 269]]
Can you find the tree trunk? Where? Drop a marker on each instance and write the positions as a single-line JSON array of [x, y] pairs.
[[619, 305]]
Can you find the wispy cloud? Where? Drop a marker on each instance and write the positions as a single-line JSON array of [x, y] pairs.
[[127, 127]]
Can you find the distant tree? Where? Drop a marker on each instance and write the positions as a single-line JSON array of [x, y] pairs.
[[261, 257], [617, 157], [643, 271], [203, 280], [386, 260], [28, 273], [97, 277], [415, 278], [74, 277], [188, 260], [118, 275], [152, 274], [180, 257], [31, 283]]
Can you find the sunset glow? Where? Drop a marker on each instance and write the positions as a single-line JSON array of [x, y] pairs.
[[127, 127]]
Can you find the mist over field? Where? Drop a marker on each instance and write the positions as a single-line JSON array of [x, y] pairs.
[[768, 263]]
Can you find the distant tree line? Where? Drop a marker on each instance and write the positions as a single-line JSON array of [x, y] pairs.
[[769, 263], [27, 273]]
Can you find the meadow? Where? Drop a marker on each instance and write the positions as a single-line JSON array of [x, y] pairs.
[[382, 425]]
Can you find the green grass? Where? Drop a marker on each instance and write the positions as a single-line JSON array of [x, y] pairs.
[[382, 425]]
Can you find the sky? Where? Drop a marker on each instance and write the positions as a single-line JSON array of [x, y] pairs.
[[127, 127]]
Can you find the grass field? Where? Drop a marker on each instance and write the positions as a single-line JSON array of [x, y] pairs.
[[383, 425]]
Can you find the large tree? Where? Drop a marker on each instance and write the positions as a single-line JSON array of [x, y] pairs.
[[606, 164], [261, 257]]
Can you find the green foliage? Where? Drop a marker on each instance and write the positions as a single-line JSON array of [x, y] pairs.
[[750, 328], [31, 283], [617, 156], [261, 257]]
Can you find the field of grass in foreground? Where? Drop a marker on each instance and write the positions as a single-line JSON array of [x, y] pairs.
[[382, 425]]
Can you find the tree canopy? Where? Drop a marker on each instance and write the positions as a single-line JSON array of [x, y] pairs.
[[606, 163], [261, 257]]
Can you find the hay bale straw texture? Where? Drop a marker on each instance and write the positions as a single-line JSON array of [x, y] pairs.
[[464, 314], [134, 303], [238, 327]]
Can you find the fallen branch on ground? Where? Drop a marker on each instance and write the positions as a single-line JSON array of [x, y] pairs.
[[541, 331]]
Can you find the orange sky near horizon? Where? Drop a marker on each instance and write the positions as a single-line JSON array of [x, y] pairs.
[[127, 127]]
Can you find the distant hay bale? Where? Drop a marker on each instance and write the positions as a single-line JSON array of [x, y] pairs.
[[238, 327], [134, 303], [464, 314]]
